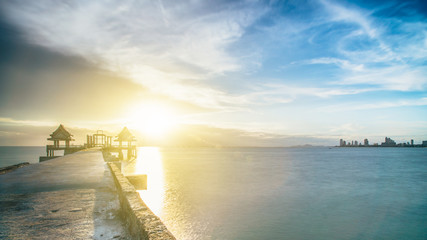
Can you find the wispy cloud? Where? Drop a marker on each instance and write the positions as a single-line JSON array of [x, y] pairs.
[[10, 121], [366, 26], [400, 78], [371, 54], [353, 15], [375, 105], [9, 134], [165, 47], [342, 63], [285, 93]]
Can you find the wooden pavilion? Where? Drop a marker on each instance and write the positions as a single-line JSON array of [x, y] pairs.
[[125, 136], [60, 134]]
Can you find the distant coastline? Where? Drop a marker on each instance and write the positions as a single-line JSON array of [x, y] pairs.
[[388, 142]]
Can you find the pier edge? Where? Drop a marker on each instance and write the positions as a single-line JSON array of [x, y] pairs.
[[140, 220]]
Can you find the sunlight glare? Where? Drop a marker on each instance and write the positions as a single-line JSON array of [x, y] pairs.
[[152, 119], [149, 161]]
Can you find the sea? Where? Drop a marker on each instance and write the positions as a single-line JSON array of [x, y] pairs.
[[14, 155], [281, 193]]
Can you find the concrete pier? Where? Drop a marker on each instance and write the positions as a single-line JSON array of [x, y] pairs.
[[70, 197]]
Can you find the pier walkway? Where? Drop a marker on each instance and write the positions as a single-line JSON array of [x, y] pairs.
[[70, 197]]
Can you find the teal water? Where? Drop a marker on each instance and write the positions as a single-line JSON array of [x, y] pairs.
[[288, 193], [14, 155], [280, 193]]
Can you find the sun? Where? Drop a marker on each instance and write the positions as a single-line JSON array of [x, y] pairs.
[[152, 119]]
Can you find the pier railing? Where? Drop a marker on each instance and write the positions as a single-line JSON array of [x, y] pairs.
[[63, 147]]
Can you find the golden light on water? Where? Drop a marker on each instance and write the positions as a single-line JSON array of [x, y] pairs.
[[149, 161]]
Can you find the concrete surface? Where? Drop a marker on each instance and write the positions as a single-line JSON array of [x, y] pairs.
[[71, 197]]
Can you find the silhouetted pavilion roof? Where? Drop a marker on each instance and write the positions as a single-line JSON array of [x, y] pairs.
[[61, 134], [125, 135]]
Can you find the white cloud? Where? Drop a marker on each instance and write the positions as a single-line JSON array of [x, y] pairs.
[[375, 105], [286, 93], [10, 133], [352, 15], [10, 121], [367, 26], [342, 63], [161, 46], [387, 61], [400, 78]]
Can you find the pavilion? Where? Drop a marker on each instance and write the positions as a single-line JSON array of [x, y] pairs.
[[60, 134], [125, 136]]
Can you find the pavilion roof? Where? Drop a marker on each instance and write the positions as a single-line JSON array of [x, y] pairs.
[[61, 134], [125, 135]]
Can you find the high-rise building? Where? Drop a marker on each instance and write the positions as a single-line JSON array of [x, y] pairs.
[[366, 142], [388, 142]]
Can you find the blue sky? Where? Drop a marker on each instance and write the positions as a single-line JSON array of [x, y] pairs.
[[314, 70]]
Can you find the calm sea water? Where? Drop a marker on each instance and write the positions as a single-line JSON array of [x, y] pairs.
[[14, 155], [287, 193], [280, 193]]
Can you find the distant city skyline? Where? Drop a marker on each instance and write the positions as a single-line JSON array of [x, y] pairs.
[[222, 73], [388, 142]]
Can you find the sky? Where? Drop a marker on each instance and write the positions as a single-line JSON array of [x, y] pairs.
[[214, 73]]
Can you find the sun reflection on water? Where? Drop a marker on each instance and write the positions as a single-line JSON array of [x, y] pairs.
[[149, 161]]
